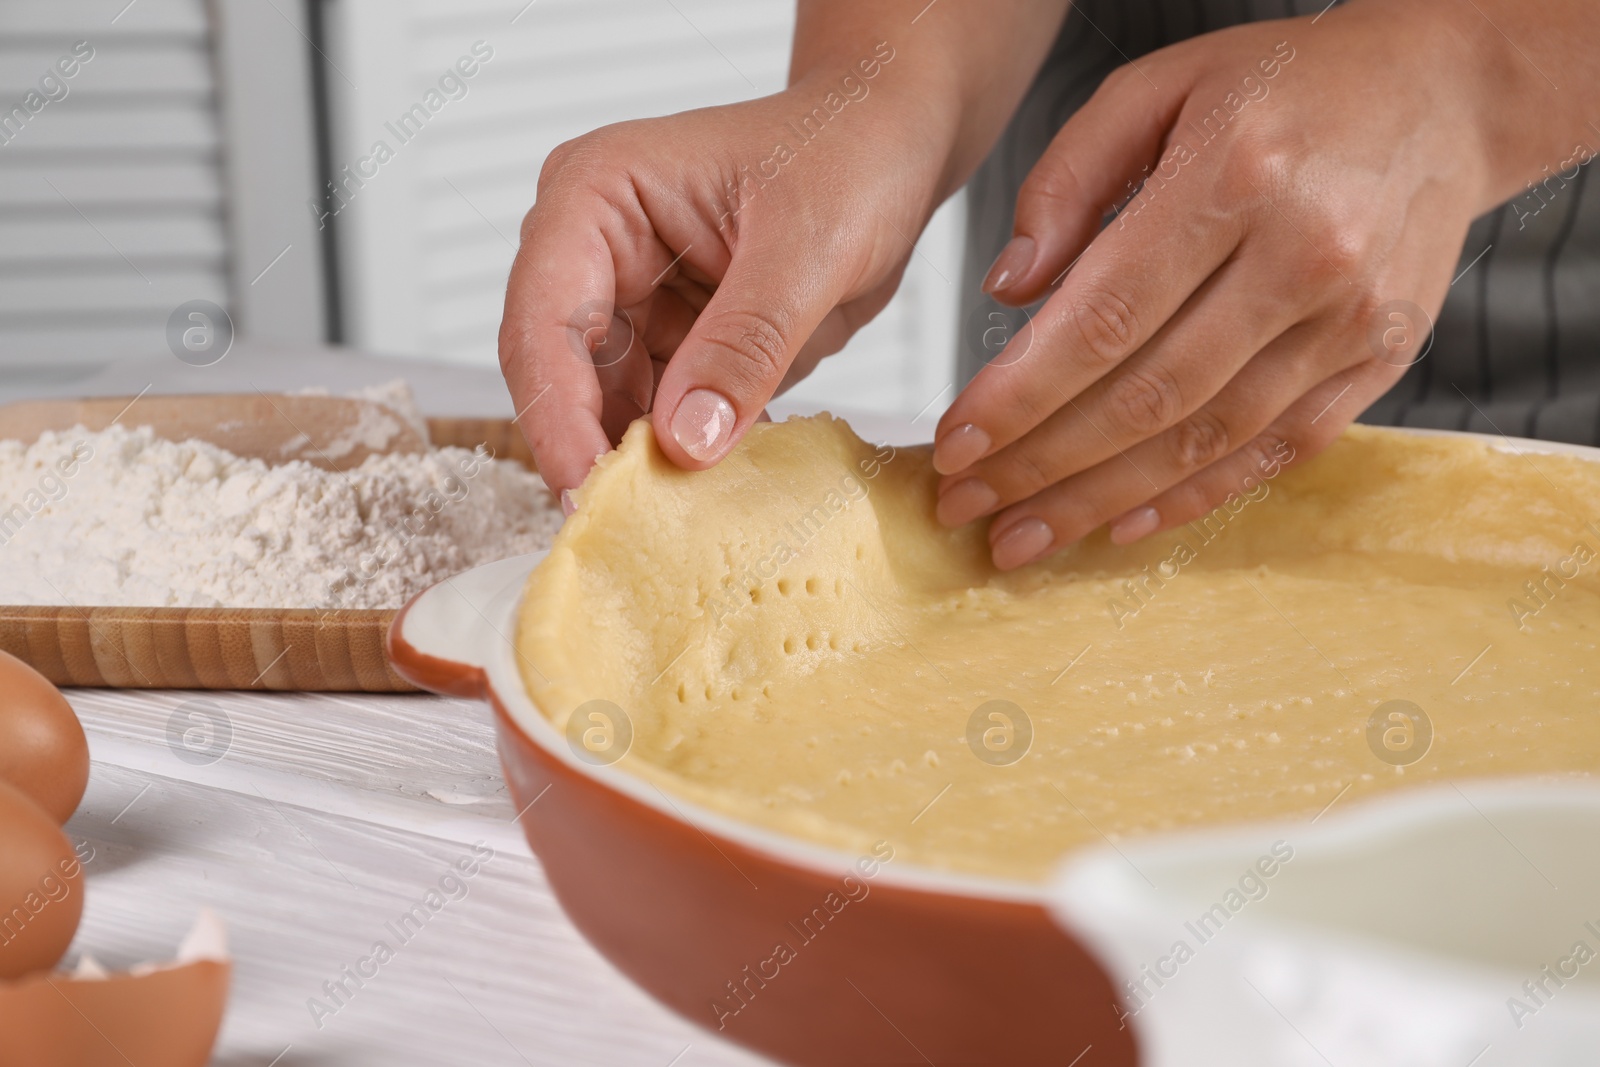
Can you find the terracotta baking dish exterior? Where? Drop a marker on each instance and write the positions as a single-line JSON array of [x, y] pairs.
[[926, 967]]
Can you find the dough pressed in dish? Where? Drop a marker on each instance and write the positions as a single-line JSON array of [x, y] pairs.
[[796, 642]]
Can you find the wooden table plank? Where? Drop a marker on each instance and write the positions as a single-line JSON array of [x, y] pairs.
[[311, 822]]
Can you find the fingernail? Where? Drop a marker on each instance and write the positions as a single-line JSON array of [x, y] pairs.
[[960, 449], [965, 501], [1140, 522], [703, 423], [1012, 263], [567, 506], [1023, 543]]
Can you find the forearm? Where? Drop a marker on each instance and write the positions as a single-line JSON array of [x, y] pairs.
[[1531, 76], [959, 69]]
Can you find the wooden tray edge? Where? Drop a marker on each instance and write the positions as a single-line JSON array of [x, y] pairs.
[[267, 649]]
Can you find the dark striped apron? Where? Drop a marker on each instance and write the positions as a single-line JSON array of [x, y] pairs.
[[1516, 348]]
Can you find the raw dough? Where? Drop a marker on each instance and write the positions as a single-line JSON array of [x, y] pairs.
[[796, 642]]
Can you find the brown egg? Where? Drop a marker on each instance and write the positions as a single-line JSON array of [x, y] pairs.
[[42, 748], [41, 887]]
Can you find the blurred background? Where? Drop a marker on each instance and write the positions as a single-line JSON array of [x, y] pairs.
[[228, 151]]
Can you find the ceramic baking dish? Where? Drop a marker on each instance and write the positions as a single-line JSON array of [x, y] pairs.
[[925, 966]]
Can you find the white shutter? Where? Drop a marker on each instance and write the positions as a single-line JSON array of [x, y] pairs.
[[426, 242], [111, 197]]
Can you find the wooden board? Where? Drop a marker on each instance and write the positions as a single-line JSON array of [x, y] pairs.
[[229, 648], [204, 648]]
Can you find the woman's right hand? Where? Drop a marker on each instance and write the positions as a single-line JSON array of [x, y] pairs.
[[693, 266]]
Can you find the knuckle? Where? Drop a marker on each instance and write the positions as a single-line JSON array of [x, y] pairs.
[[1117, 80], [1269, 452], [508, 348], [1310, 440], [1255, 169], [1259, 458], [559, 160], [515, 343], [1050, 181], [1189, 500], [1366, 311], [1144, 401], [1340, 249], [1030, 403], [1053, 178], [1019, 402], [1104, 324], [756, 341], [1030, 472], [1074, 517], [1331, 240], [577, 159], [1199, 441]]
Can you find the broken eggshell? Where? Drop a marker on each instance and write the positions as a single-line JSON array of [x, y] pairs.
[[163, 1015]]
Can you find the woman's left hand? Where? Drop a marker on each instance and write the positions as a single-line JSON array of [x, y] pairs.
[[1308, 185]]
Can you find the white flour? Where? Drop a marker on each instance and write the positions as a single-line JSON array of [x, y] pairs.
[[121, 517]]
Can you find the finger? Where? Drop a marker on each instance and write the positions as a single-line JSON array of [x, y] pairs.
[[837, 327], [1068, 510], [1318, 412], [586, 246], [1210, 338], [1306, 428], [564, 264], [622, 367], [734, 358], [1122, 292], [664, 321], [1091, 164], [634, 352], [579, 250]]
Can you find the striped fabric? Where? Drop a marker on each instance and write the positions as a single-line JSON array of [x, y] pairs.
[[1516, 349]]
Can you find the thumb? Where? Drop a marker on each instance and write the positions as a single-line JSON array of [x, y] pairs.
[[1095, 161], [735, 356]]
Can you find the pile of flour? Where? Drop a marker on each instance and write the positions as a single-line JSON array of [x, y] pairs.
[[122, 517]]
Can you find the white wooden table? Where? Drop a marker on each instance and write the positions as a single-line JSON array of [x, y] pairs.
[[323, 818]]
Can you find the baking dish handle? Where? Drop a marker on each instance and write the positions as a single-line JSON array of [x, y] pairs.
[[441, 638]]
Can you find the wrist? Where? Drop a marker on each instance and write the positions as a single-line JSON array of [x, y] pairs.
[[960, 69], [878, 106], [1516, 124]]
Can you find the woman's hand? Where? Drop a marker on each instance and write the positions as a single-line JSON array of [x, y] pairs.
[[1301, 177], [691, 266]]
